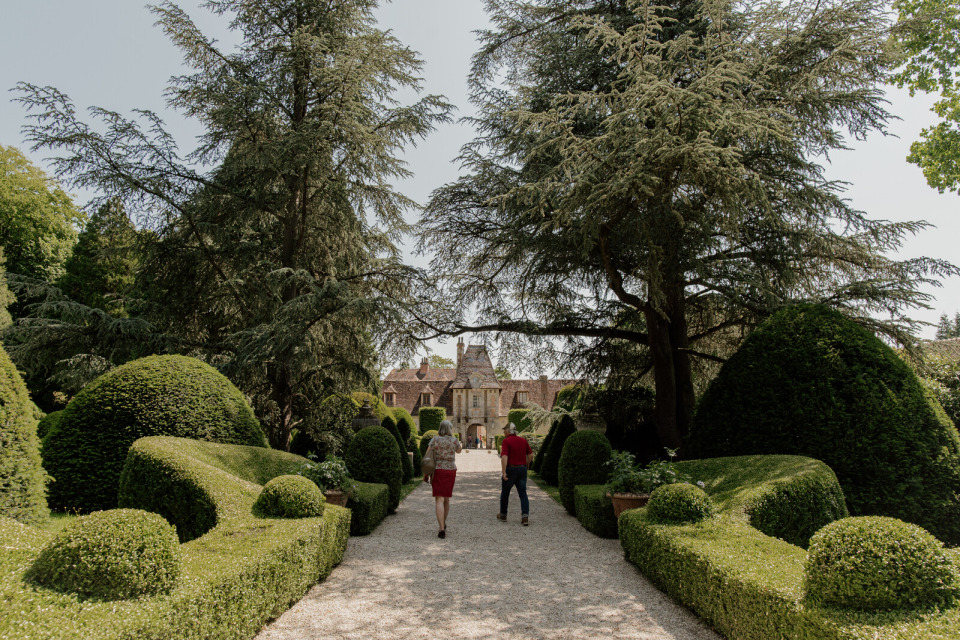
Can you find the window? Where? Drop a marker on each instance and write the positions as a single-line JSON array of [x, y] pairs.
[[426, 399], [522, 397], [388, 398], [476, 400]]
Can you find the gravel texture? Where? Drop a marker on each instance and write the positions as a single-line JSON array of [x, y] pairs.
[[487, 580]]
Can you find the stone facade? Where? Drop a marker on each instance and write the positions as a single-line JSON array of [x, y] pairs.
[[475, 400]]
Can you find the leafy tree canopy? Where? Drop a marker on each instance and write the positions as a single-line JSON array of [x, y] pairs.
[[948, 328], [651, 174]]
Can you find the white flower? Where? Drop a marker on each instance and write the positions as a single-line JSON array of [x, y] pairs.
[[701, 484]]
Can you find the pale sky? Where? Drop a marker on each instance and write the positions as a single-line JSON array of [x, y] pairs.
[[108, 53]]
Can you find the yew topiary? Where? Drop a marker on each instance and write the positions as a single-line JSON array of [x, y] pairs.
[[538, 458], [374, 457], [48, 424], [679, 503], [290, 496], [159, 395], [405, 424], [425, 441], [551, 460], [430, 418], [811, 382], [583, 461], [112, 555], [22, 478], [874, 563], [406, 466]]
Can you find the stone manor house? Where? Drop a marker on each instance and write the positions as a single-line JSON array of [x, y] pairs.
[[476, 402]]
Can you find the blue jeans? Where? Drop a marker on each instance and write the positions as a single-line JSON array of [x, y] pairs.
[[515, 476]]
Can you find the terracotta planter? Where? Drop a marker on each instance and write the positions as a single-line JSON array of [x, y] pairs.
[[338, 498], [623, 501]]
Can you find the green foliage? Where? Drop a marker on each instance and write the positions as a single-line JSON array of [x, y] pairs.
[[569, 397], [48, 424], [942, 379], [38, 221], [430, 418], [369, 504], [22, 479], [874, 563], [236, 577], [100, 272], [329, 430], [583, 460], [6, 298], [374, 457], [519, 418], [538, 458], [290, 497], [380, 410], [406, 465], [550, 469], [425, 441], [927, 35], [414, 447], [330, 475], [810, 382], [946, 328], [405, 424], [157, 395], [594, 510], [679, 503], [111, 555]]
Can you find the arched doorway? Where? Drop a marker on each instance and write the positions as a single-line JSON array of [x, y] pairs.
[[477, 433]]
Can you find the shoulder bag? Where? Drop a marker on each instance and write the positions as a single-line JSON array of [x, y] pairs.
[[429, 463]]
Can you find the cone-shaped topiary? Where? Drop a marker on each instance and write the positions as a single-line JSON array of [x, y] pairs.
[[874, 563], [113, 555], [405, 424], [373, 456], [679, 503], [810, 382], [582, 461], [405, 465], [551, 460], [290, 497], [538, 459], [414, 448], [22, 479], [154, 396]]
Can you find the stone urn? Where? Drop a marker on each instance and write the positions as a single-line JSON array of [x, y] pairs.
[[365, 418], [336, 497], [623, 501]]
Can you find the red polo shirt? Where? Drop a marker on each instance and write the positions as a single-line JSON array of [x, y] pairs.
[[516, 449]]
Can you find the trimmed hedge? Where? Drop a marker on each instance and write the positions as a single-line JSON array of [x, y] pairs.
[[374, 457], [22, 478], [679, 503], [414, 447], [158, 395], [425, 442], [380, 409], [594, 510], [873, 563], [238, 576], [550, 471], [582, 461], [405, 424], [430, 418], [111, 555], [369, 504], [406, 467], [538, 458], [519, 418], [811, 382], [48, 423], [290, 497]]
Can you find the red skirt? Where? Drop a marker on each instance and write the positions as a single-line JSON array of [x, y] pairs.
[[443, 480]]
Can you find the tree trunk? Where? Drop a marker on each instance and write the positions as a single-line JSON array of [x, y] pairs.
[[281, 392], [673, 379]]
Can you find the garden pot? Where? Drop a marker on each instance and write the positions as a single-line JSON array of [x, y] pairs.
[[335, 497], [623, 501]]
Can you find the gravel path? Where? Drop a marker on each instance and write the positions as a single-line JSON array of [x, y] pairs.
[[487, 580]]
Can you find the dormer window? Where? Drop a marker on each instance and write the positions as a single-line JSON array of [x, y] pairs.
[[426, 399], [523, 397], [389, 399]]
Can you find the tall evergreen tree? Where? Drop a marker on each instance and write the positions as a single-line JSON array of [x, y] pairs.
[[275, 257], [651, 172]]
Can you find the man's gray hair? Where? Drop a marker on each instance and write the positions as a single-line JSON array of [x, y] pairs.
[[446, 428], [511, 428]]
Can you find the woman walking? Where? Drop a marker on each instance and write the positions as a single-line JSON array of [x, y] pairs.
[[445, 447]]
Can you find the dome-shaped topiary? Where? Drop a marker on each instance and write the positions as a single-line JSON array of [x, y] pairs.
[[406, 465], [22, 479], [425, 441], [112, 555], [550, 470], [679, 503], [874, 563], [582, 461], [290, 497], [811, 382], [48, 423], [373, 456], [154, 396]]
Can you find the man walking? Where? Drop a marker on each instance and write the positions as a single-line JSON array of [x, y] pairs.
[[515, 456]]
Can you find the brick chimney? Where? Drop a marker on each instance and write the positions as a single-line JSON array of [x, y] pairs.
[[424, 367], [459, 351]]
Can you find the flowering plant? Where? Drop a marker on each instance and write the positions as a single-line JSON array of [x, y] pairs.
[[329, 475], [627, 477]]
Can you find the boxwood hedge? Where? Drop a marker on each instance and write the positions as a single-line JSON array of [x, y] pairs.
[[583, 461], [550, 469], [594, 510], [374, 457], [430, 418]]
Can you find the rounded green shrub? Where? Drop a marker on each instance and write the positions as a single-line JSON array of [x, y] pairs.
[[22, 478], [406, 466], [405, 424], [380, 410], [154, 396], [425, 441], [290, 497], [811, 382], [373, 456], [582, 461], [679, 503], [875, 563], [48, 424], [430, 418], [551, 460], [111, 555]]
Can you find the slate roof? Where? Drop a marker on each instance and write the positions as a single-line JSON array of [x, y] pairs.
[[475, 360]]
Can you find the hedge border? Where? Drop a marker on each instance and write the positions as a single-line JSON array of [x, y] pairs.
[[594, 510]]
